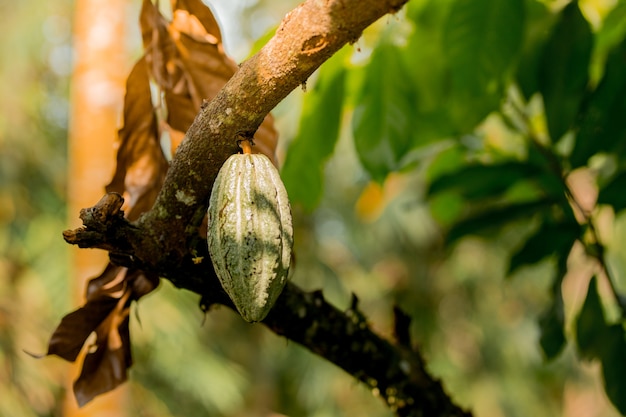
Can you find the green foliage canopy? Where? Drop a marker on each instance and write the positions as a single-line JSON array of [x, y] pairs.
[[544, 75]]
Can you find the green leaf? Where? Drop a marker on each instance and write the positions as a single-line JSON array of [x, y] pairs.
[[446, 208], [303, 170], [614, 193], [481, 39], [551, 185], [552, 322], [590, 325], [537, 29], [550, 239], [494, 219], [614, 366], [597, 340], [610, 35], [445, 162], [429, 71], [613, 27], [552, 339], [430, 74], [480, 181], [382, 121], [424, 54], [564, 70], [602, 126]]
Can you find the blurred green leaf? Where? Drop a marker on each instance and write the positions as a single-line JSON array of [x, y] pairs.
[[482, 37], [480, 181], [481, 40], [597, 340], [551, 184], [550, 239], [446, 207], [613, 27], [445, 162], [614, 366], [552, 339], [590, 325], [425, 45], [564, 70], [303, 171], [610, 35], [614, 193], [495, 218], [429, 71], [537, 29], [602, 125], [382, 121], [552, 321]]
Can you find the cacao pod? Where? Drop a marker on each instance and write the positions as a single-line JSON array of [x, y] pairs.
[[250, 234]]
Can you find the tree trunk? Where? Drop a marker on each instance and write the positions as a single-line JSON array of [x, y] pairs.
[[98, 83]]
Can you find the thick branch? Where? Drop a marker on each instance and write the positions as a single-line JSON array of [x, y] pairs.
[[395, 372]]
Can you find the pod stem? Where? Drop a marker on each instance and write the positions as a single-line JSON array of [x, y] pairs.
[[246, 146]]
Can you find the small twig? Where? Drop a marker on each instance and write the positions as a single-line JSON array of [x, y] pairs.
[[102, 226]]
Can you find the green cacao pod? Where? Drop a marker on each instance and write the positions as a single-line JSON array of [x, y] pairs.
[[250, 234]]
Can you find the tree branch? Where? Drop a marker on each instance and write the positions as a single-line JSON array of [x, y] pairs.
[[393, 371], [165, 240], [305, 39]]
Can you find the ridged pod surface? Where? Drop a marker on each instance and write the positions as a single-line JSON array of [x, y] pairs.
[[250, 234]]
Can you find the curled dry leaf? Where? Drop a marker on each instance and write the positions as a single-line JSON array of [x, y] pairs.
[[175, 137], [183, 65], [187, 62], [141, 165], [105, 314]]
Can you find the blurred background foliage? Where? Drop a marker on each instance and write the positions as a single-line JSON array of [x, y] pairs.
[[399, 159], [34, 280]]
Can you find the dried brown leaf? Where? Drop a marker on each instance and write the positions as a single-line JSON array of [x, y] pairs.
[[105, 313], [141, 165], [186, 58], [181, 111], [160, 51], [206, 64], [102, 371], [185, 22], [174, 136], [70, 335], [198, 10], [209, 68], [107, 360], [187, 61]]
